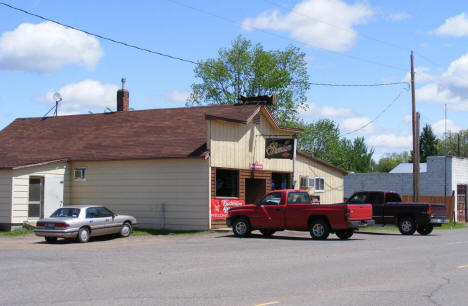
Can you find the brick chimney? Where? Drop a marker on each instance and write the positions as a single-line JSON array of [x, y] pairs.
[[123, 97]]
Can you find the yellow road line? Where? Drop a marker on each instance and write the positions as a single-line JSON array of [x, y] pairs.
[[269, 303], [462, 267]]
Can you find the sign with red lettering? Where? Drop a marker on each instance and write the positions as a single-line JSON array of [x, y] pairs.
[[220, 207], [256, 166]]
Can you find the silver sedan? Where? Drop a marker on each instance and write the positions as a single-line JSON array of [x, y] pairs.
[[83, 222]]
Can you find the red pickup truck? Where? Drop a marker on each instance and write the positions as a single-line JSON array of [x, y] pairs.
[[292, 210]]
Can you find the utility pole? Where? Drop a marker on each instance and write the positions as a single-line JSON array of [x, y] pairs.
[[415, 137]]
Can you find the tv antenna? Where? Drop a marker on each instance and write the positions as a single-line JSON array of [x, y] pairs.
[[58, 98]]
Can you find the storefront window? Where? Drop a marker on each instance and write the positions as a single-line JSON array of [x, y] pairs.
[[227, 183]]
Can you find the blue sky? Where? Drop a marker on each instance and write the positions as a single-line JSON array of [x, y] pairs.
[[350, 42]]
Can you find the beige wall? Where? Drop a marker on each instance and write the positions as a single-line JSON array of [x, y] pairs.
[[20, 191], [235, 145], [334, 190], [5, 196], [142, 188]]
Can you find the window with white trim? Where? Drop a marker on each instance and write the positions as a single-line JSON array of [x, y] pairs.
[[79, 174], [319, 184]]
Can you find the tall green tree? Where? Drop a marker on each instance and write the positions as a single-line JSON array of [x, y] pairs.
[[390, 161], [247, 69], [454, 144], [428, 143], [322, 140]]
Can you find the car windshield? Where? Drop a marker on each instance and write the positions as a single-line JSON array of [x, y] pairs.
[[66, 213]]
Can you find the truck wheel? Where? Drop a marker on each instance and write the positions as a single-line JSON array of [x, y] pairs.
[[345, 234], [267, 233], [407, 226], [425, 229], [319, 230], [241, 227]]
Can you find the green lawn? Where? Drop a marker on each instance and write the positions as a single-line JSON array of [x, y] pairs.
[[17, 233]]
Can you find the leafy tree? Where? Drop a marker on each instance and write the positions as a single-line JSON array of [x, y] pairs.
[[321, 139], [454, 144], [427, 143], [247, 69], [390, 161]]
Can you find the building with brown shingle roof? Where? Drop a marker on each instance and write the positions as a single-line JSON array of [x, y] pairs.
[[178, 168]]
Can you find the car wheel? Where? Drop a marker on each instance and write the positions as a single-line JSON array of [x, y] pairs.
[[126, 229], [319, 230], [83, 235], [425, 229], [267, 233], [345, 234], [241, 227], [50, 239], [407, 226]]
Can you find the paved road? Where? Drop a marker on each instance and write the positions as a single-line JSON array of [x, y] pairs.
[[219, 269]]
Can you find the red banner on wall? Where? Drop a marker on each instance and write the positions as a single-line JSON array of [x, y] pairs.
[[220, 207]]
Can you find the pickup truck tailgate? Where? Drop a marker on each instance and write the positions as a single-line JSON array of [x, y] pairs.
[[359, 212], [438, 211]]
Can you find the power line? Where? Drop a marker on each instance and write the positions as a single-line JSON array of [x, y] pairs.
[[287, 38], [359, 85], [101, 36], [379, 115]]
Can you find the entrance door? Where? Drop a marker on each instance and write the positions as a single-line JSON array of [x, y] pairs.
[[255, 189], [461, 202], [36, 192], [279, 181], [53, 194]]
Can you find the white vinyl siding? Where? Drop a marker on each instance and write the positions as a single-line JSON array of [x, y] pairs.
[[143, 188], [236, 145], [5, 196], [333, 180], [20, 192]]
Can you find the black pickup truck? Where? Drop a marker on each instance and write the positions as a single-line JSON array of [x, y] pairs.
[[387, 208]]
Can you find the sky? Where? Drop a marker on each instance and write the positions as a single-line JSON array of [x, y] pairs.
[[346, 42]]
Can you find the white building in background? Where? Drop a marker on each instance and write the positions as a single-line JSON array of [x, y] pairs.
[[440, 176]]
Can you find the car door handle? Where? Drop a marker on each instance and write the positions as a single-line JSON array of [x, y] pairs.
[[91, 221], [107, 219]]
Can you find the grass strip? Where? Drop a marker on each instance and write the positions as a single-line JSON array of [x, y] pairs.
[[17, 233]]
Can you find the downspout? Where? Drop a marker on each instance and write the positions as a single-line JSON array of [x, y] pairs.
[[294, 163]]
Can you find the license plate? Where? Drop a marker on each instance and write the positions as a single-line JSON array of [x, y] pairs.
[[50, 225]]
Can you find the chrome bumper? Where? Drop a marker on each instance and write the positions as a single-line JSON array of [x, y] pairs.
[[439, 220], [56, 233], [361, 223]]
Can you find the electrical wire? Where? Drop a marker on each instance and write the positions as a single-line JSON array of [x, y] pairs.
[[380, 114], [360, 85], [286, 38], [101, 36]]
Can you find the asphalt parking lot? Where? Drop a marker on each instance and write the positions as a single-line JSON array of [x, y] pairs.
[[373, 268]]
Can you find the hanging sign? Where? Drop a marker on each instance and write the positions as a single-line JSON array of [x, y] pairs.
[[279, 148], [220, 207], [256, 166]]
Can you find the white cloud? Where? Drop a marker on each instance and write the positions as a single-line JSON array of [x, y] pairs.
[[390, 140], [84, 96], [355, 123], [47, 47], [399, 16], [326, 24], [420, 75], [407, 118], [454, 26], [178, 95], [451, 87], [439, 127], [313, 111]]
